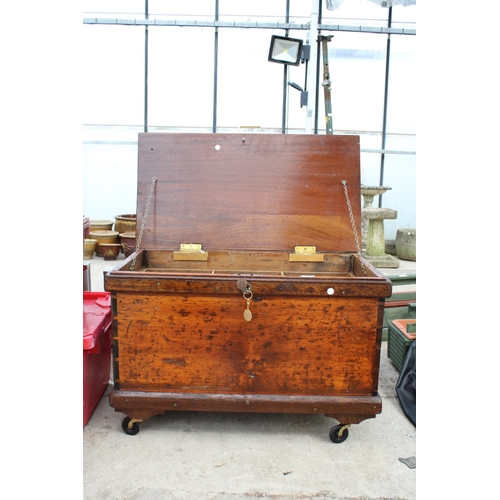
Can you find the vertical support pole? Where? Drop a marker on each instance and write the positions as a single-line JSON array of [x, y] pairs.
[[146, 47], [285, 98], [311, 66], [285, 77], [216, 64], [327, 85], [386, 94], [318, 49]]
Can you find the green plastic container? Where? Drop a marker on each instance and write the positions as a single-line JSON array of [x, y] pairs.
[[402, 332]]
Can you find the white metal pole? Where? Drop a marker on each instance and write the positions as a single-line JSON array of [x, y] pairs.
[[311, 70]]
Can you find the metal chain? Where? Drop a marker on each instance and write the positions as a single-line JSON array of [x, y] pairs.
[[139, 239], [353, 224]]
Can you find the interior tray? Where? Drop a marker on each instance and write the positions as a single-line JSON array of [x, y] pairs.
[[248, 264]]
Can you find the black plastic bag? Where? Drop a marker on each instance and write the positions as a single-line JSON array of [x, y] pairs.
[[406, 386]]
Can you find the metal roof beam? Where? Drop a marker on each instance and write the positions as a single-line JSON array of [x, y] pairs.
[[248, 25]]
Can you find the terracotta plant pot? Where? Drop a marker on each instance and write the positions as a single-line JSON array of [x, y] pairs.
[[106, 236], [89, 248], [101, 225], [125, 223], [110, 251], [128, 242]]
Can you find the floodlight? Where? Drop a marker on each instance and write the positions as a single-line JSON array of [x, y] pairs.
[[285, 50]]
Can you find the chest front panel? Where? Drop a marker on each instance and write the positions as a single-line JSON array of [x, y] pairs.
[[192, 343]]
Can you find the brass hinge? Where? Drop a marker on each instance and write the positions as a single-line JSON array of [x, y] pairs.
[[190, 251], [306, 254]]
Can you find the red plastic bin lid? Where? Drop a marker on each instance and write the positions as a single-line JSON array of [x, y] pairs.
[[96, 316]]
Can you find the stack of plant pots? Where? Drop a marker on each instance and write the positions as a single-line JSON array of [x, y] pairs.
[[125, 225]]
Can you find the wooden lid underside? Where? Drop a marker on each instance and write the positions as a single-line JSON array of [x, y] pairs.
[[248, 192]]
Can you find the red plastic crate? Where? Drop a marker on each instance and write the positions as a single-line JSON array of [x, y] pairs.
[[97, 331]]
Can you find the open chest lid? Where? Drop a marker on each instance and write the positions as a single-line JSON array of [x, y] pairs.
[[248, 192]]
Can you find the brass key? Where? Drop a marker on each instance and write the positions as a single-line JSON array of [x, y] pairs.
[[247, 295]]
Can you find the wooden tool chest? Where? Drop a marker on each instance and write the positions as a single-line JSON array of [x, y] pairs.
[[248, 291]]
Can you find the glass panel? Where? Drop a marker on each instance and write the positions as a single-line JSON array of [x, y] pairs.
[[249, 11], [401, 109], [122, 9], [250, 87], [173, 9], [296, 115], [357, 74], [400, 175], [352, 13], [404, 17], [113, 75], [180, 77], [109, 180], [300, 11], [370, 162]]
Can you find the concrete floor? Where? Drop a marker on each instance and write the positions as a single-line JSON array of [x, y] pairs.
[[231, 456]]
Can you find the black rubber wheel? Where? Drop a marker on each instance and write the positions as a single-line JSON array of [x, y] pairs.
[[130, 431], [334, 434]]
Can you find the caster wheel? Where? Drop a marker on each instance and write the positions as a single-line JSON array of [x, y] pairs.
[[335, 433], [131, 431]]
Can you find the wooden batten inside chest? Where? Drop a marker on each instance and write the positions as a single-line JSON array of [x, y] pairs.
[[249, 263]]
